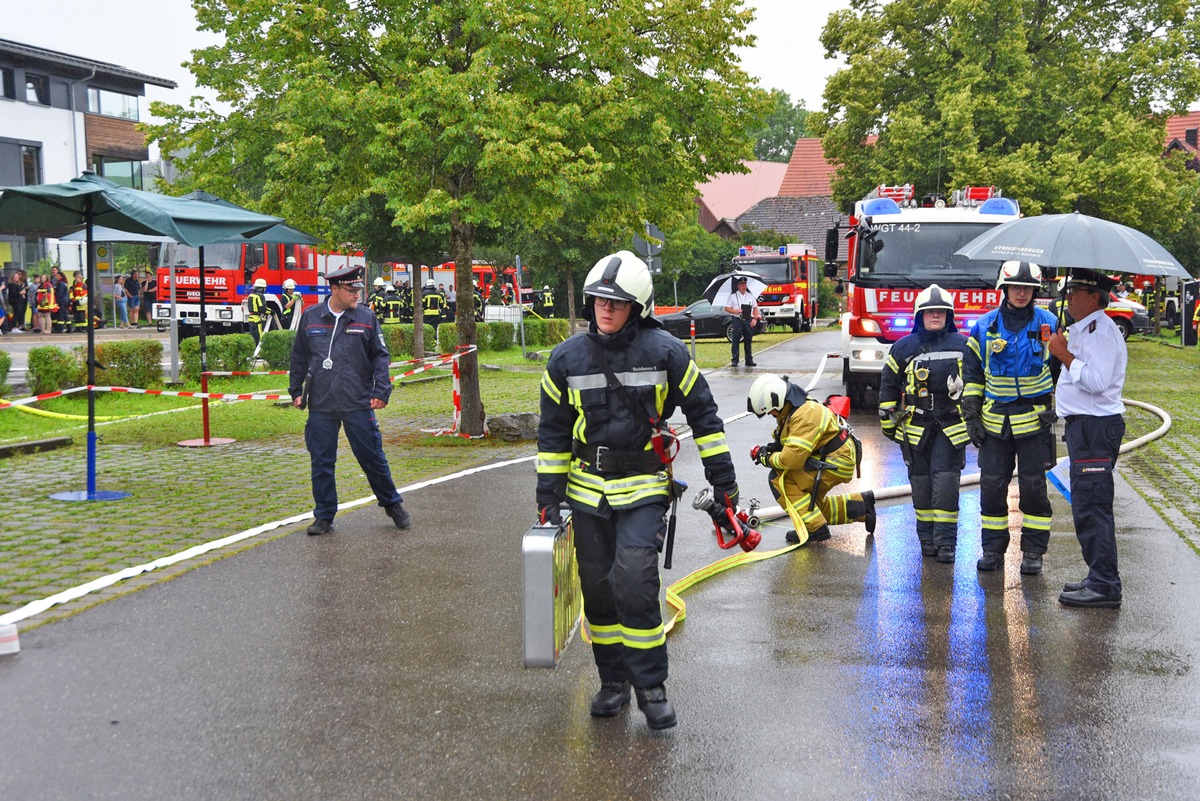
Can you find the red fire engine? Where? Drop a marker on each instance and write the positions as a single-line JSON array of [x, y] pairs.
[[897, 247], [792, 282], [229, 274], [484, 273]]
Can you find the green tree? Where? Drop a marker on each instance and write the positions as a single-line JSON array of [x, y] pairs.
[[782, 127], [1060, 104], [468, 113]]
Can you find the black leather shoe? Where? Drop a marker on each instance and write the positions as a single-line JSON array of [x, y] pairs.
[[1085, 597], [1031, 564], [1072, 586], [733, 363], [990, 561], [869, 519], [928, 548], [320, 526], [945, 554], [399, 515], [751, 363], [609, 699], [658, 710]]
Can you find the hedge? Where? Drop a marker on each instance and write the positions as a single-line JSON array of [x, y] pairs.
[[276, 348], [130, 363], [399, 339], [5, 366], [51, 369], [226, 353]]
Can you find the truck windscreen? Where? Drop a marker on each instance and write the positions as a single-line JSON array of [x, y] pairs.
[[921, 254], [773, 271], [226, 257]]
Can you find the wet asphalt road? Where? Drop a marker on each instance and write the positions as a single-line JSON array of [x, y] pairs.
[[370, 664]]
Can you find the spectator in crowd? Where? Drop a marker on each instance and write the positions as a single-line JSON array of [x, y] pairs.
[[17, 301], [149, 295], [120, 298], [44, 321], [133, 299]]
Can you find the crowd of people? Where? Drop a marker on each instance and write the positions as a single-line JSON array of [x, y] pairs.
[[48, 303]]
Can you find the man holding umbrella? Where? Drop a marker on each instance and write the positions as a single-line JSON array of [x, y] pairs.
[[1088, 397], [743, 305]]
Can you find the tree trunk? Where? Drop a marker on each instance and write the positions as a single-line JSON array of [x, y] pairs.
[[418, 315], [462, 243], [570, 302]]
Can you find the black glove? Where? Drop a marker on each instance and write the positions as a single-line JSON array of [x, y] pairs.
[[726, 495], [549, 514], [975, 431]]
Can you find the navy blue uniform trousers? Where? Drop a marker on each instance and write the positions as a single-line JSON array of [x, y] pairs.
[[1093, 444]]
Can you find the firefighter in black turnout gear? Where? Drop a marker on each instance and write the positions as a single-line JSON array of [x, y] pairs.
[[604, 447], [1008, 407], [919, 407]]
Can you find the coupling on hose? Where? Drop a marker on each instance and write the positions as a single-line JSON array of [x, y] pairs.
[[732, 523]]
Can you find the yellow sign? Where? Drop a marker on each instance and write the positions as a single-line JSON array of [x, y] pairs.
[[101, 252], [102, 266]]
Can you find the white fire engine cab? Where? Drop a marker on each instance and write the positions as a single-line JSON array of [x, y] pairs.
[[792, 282], [898, 246]]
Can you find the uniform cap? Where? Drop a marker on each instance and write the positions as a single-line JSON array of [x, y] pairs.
[[347, 276], [1090, 279]]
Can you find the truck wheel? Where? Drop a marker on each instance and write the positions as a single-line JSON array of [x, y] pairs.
[[857, 392], [162, 326], [806, 326], [1125, 326], [796, 326]]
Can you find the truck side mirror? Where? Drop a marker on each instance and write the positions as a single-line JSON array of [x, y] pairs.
[[831, 269], [832, 242]]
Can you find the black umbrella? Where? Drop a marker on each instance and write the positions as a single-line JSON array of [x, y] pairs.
[[1074, 240], [720, 288]]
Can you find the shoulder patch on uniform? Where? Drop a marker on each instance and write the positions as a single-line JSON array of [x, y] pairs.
[[1092, 327]]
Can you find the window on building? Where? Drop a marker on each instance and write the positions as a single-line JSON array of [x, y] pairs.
[[31, 164], [112, 104], [37, 89], [125, 173], [8, 87]]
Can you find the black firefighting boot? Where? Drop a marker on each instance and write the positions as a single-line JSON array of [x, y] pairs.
[[399, 515], [609, 699], [945, 554], [1031, 564], [863, 510], [820, 535], [990, 561], [928, 548], [658, 710]]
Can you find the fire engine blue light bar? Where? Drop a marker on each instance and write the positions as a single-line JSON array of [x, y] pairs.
[[999, 205]]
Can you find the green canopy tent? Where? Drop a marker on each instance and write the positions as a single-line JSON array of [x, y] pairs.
[[89, 200]]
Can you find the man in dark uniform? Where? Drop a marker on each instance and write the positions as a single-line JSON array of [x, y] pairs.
[[339, 371], [606, 450], [1088, 397], [432, 304], [406, 302], [547, 302]]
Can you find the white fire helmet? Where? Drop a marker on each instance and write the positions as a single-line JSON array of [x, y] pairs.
[[290, 261], [289, 284], [933, 298], [621, 276], [430, 284], [1019, 273], [389, 288], [260, 283], [767, 394], [378, 282]]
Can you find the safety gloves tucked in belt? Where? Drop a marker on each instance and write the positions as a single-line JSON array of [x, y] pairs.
[[550, 515], [761, 454]]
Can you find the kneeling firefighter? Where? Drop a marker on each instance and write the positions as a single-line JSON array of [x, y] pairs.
[[604, 446], [811, 452], [920, 395]]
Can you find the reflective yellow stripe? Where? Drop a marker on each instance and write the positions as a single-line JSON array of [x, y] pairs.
[[689, 378], [801, 443], [552, 391], [942, 516], [604, 635], [924, 515], [643, 638], [990, 521], [1037, 522], [712, 445], [553, 462]]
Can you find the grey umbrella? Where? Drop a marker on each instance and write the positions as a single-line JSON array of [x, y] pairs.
[[1074, 240]]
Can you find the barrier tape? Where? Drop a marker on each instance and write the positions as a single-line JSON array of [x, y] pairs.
[[462, 350], [35, 398]]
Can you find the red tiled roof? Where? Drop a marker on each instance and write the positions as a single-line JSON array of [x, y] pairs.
[[808, 173], [729, 194], [1177, 128]]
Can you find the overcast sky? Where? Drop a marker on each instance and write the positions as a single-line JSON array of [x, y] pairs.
[[156, 36]]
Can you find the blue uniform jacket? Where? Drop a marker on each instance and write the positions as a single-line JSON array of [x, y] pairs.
[[359, 355]]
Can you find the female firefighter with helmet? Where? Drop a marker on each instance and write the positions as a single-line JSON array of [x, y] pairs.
[[1008, 407], [604, 447], [919, 396], [811, 452]]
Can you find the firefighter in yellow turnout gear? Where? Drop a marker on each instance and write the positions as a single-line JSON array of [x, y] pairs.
[[812, 451]]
